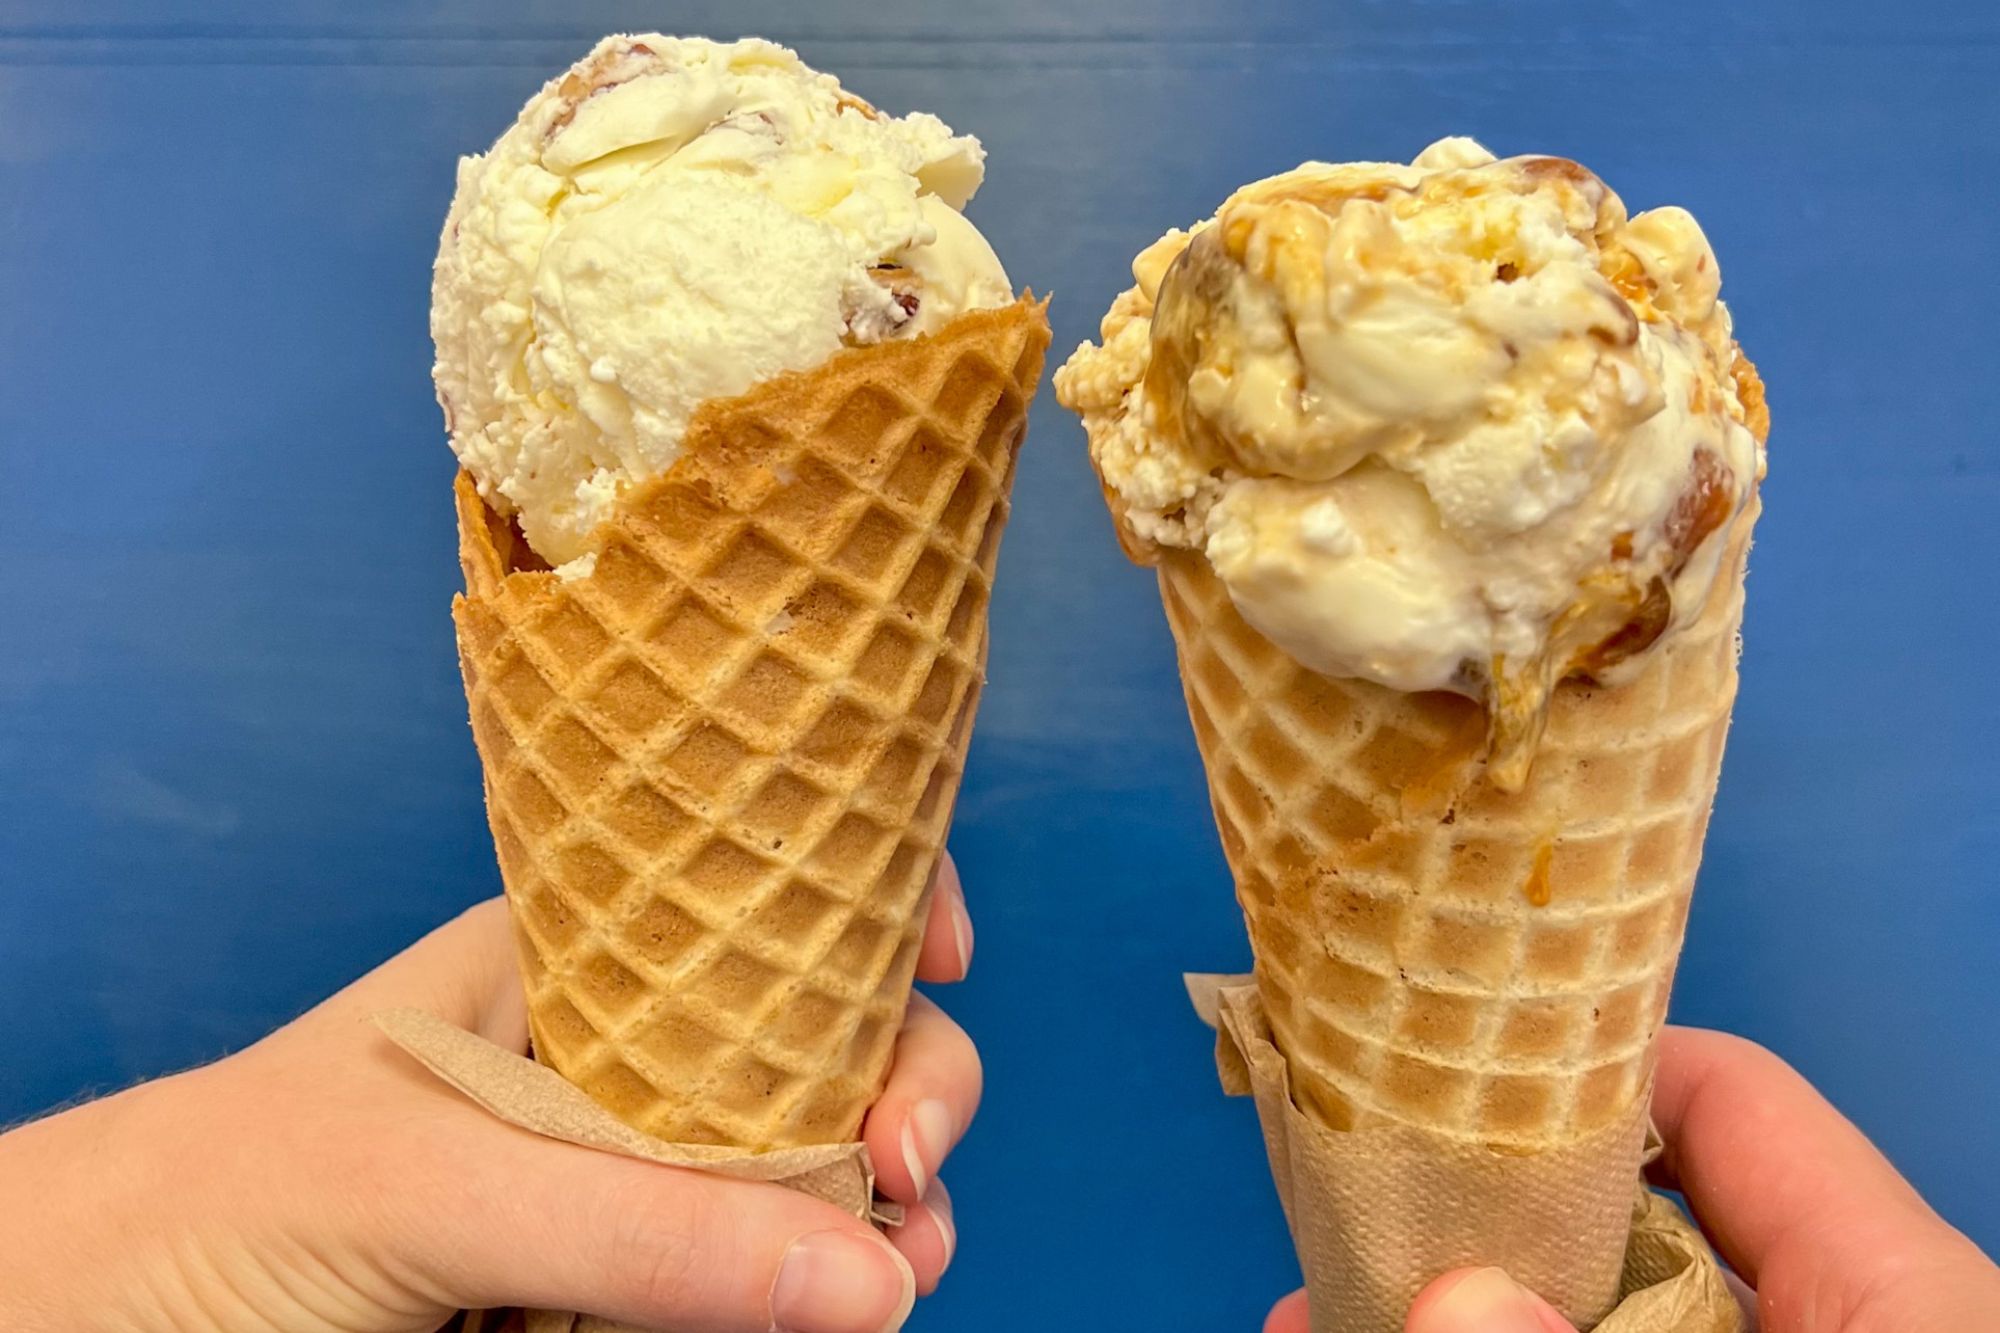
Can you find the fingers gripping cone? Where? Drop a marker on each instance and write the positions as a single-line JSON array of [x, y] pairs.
[[719, 767]]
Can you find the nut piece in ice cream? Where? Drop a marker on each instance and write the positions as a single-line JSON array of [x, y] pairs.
[[673, 221], [1460, 425]]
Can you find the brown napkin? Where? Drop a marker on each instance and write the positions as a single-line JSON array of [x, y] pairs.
[[1376, 1214], [532, 1097]]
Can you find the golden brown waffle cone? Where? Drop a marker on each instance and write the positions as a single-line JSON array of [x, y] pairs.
[[719, 767], [1432, 951]]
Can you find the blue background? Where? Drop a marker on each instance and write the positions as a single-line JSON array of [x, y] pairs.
[[234, 766]]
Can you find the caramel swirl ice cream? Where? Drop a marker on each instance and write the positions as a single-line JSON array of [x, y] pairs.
[[1460, 425]]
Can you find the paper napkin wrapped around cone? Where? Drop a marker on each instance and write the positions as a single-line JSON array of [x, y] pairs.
[[1364, 1207], [530, 1096]]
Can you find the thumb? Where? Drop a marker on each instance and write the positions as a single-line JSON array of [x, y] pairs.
[[1482, 1300], [571, 1229]]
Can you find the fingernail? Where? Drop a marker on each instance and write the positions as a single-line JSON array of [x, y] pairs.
[[961, 931], [938, 1205], [838, 1282], [1485, 1300], [926, 1141]]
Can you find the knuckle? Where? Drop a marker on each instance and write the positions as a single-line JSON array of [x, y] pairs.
[[678, 1246], [962, 1057], [651, 1243], [935, 1052], [975, 1074], [1761, 1059]]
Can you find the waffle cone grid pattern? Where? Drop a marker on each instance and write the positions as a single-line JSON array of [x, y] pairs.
[[719, 767], [1432, 951]]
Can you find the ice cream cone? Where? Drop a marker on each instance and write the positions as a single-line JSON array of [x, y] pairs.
[[1448, 471], [719, 766]]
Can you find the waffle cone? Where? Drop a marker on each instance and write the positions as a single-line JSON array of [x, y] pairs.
[[719, 767], [1434, 952]]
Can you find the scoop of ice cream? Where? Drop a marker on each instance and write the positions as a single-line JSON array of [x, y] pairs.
[[673, 221], [1459, 425]]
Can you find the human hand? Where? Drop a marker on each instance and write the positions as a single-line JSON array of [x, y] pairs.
[[322, 1182], [1827, 1235]]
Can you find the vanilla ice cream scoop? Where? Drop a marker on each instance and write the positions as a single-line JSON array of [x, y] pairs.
[[1459, 425], [672, 221]]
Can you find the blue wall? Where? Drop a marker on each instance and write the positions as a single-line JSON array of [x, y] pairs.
[[234, 766]]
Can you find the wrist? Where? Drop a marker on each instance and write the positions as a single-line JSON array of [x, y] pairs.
[[87, 1217]]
